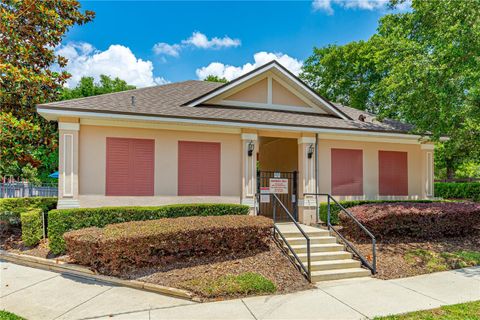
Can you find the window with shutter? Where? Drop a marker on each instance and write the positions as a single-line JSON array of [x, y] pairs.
[[393, 173], [347, 172], [198, 168], [130, 167]]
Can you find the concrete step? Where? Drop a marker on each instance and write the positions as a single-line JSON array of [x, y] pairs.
[[324, 256], [313, 240], [328, 247], [335, 264], [339, 274], [297, 234]]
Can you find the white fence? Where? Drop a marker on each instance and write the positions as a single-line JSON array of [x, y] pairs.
[[26, 190]]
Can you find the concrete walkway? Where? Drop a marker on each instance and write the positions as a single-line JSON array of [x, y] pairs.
[[38, 294]]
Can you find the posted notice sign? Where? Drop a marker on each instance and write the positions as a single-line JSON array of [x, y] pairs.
[[279, 186]]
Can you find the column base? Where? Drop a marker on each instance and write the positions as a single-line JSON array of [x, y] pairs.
[[248, 202], [68, 203], [307, 215]]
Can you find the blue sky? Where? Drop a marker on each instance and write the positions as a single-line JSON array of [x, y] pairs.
[[153, 42]]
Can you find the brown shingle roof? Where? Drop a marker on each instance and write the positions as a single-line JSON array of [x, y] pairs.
[[168, 101]]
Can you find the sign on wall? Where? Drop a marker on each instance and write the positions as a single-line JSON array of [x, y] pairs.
[[279, 186], [264, 195]]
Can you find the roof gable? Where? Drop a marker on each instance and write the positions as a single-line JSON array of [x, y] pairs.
[[271, 87]]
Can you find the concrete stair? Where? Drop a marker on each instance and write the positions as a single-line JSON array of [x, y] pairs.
[[329, 260]]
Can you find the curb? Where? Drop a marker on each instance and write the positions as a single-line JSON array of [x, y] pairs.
[[83, 272]]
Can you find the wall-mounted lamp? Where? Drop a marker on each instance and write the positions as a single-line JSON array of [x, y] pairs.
[[251, 147], [310, 151]]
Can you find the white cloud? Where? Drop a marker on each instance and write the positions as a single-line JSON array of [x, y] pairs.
[[200, 40], [323, 5], [327, 5], [116, 61], [260, 58], [167, 49], [196, 40]]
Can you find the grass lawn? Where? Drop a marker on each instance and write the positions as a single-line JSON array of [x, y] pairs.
[[5, 315], [463, 311], [232, 285], [434, 261]]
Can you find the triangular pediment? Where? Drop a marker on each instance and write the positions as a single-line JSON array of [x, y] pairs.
[[269, 87]]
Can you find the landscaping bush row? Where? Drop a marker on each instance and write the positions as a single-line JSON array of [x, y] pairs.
[[122, 247], [32, 226], [11, 208], [63, 220], [460, 190], [335, 209], [420, 220]]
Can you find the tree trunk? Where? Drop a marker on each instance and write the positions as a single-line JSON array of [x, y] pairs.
[[450, 169]]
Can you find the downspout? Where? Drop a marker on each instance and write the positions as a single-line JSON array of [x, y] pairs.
[[317, 205]]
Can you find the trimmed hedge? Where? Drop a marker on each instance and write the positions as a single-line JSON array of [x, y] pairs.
[[334, 209], [122, 247], [11, 208], [32, 226], [458, 190], [419, 220], [63, 220]]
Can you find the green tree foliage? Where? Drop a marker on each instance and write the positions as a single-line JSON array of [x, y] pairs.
[[213, 78], [87, 87], [421, 66], [25, 146], [29, 32]]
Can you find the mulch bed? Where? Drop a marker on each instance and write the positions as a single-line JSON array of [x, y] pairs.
[[391, 262], [11, 240], [272, 264]]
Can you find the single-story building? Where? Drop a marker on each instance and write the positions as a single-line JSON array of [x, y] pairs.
[[199, 141]]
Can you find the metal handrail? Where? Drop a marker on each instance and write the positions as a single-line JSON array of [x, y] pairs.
[[307, 269], [373, 265]]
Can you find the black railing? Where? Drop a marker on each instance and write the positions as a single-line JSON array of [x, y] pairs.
[[27, 190], [370, 265], [306, 270]]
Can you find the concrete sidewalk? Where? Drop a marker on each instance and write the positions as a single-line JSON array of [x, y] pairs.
[[38, 294]]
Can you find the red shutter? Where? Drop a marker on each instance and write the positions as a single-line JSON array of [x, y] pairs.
[[130, 167], [198, 168], [393, 173], [347, 172]]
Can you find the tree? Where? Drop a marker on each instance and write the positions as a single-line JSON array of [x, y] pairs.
[[29, 32], [421, 67], [87, 87], [347, 74], [213, 78]]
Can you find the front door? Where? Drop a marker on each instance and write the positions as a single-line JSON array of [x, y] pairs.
[[284, 182]]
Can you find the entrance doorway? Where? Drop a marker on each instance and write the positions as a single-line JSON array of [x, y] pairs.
[[277, 164]]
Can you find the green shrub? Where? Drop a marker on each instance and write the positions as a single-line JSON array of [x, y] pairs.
[[63, 220], [458, 190], [121, 247], [335, 209], [231, 285], [5, 315], [32, 226], [11, 208]]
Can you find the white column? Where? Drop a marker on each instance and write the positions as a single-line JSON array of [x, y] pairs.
[[68, 165], [306, 180], [249, 168], [427, 157]]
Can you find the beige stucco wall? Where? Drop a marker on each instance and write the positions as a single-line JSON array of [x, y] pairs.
[[92, 163], [281, 95], [278, 154], [416, 167], [255, 93]]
